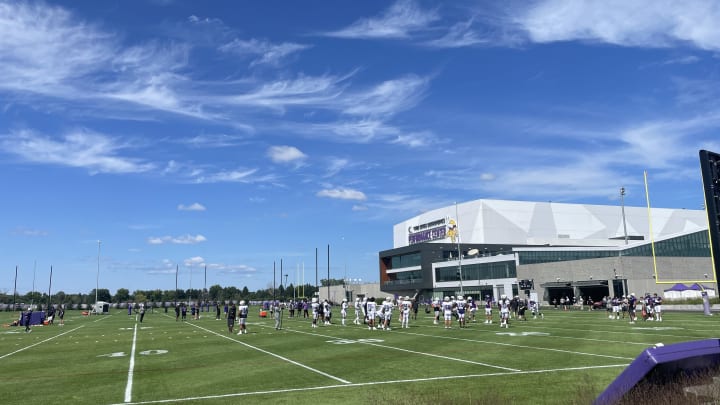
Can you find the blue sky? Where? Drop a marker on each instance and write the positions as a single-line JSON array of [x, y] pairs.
[[235, 134]]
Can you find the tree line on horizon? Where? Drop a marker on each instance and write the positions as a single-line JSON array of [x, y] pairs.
[[123, 295]]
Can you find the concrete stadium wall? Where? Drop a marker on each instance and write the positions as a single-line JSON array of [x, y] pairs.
[[638, 271]]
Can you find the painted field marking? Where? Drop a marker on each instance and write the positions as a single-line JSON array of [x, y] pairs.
[[366, 384], [524, 333], [131, 368], [273, 354], [351, 341], [41, 342], [519, 346], [629, 331], [415, 352]]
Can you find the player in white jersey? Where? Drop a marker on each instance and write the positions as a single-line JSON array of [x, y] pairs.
[[535, 309], [315, 312], [405, 307], [242, 311], [504, 305], [343, 310], [436, 311], [615, 304], [370, 313], [387, 312], [446, 308], [327, 312], [358, 308], [461, 308]]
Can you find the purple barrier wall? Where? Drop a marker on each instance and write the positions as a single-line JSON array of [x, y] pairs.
[[660, 364], [37, 318]]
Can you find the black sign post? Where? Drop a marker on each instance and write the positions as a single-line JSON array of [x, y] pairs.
[[710, 168]]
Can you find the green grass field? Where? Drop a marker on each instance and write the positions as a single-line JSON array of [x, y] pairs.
[[566, 358]]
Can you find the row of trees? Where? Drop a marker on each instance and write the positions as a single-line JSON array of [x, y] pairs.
[[214, 293]]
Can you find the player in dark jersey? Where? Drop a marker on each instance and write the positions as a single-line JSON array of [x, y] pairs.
[[61, 314], [232, 313]]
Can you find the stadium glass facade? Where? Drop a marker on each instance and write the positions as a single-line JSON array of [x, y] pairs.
[[423, 263]]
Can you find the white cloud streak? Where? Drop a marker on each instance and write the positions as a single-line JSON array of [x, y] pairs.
[[95, 152], [191, 207], [285, 154], [266, 52], [342, 194], [399, 21], [645, 23], [176, 240]]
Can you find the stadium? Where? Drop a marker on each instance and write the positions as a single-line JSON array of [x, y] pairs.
[[495, 247]]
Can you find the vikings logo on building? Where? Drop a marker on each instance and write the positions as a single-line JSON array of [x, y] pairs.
[[452, 231]]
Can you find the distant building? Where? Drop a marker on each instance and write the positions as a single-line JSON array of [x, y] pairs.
[[557, 249], [350, 291]]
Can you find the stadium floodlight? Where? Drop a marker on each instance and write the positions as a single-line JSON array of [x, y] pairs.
[[97, 277]]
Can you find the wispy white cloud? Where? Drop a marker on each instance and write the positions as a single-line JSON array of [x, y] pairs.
[[321, 91], [241, 269], [335, 166], [265, 52], [215, 140], [399, 21], [246, 176], [683, 60], [95, 152], [194, 261], [342, 194], [416, 139], [35, 60], [191, 207], [387, 98], [460, 35], [654, 23], [176, 240], [29, 232], [285, 154]]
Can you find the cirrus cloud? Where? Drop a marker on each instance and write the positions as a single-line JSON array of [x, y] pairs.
[[176, 240], [343, 194]]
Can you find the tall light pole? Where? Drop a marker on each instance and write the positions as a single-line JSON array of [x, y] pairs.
[[622, 202], [97, 277], [457, 228]]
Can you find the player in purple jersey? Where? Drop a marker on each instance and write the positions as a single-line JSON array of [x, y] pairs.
[[632, 305], [473, 308], [488, 309], [657, 307]]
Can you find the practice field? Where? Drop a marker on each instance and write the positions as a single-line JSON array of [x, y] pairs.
[[566, 358]]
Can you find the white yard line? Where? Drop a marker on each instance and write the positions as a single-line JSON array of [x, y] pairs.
[[412, 351], [131, 368], [519, 346], [414, 380], [273, 354], [41, 342]]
